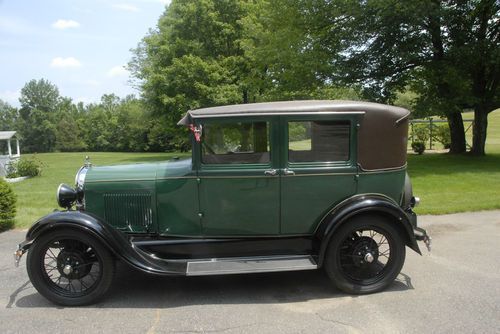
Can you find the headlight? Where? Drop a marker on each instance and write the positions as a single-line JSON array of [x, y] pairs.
[[66, 196], [80, 177]]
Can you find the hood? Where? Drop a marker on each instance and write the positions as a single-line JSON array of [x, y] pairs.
[[139, 172]]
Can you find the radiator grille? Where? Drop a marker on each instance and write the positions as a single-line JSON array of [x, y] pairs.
[[129, 211]]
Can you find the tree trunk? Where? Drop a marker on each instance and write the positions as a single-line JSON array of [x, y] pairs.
[[479, 130], [457, 133]]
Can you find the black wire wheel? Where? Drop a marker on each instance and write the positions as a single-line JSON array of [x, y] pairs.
[[70, 268], [365, 255]]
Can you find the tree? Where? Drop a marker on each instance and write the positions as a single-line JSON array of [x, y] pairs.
[[8, 116], [446, 51], [39, 103], [193, 59]]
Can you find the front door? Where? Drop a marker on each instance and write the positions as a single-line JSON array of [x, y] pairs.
[[239, 182], [318, 168]]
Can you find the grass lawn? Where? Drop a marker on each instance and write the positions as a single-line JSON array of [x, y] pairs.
[[445, 183]]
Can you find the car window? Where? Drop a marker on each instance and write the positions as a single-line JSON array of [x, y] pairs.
[[318, 141], [236, 143]]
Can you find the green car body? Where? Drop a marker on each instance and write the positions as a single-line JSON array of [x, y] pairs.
[[268, 187]]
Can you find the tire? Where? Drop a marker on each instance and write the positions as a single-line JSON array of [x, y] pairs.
[[354, 244], [70, 267]]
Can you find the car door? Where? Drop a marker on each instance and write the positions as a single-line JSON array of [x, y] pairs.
[[239, 185], [318, 167]]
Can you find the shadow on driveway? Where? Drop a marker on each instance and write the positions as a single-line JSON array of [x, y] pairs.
[[133, 289]]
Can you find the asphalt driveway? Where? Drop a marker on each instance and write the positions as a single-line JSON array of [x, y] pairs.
[[455, 288]]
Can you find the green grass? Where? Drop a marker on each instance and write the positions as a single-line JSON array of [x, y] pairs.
[[448, 183], [36, 196], [445, 183]]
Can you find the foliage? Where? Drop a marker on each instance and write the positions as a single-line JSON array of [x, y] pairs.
[[25, 167], [418, 147], [420, 133], [7, 206], [442, 135], [193, 59]]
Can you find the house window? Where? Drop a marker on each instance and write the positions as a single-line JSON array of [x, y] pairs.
[[318, 141]]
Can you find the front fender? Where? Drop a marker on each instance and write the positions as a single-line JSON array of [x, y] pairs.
[[117, 242], [367, 203]]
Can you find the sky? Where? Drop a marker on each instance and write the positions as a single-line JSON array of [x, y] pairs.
[[81, 46]]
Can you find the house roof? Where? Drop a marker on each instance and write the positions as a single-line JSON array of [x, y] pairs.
[[288, 107], [4, 135]]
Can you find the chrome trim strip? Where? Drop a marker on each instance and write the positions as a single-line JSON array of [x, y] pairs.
[[284, 113], [381, 170], [121, 180], [240, 265]]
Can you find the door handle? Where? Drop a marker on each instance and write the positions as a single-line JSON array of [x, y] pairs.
[[288, 172], [271, 172]]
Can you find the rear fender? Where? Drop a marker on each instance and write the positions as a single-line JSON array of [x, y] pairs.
[[365, 204]]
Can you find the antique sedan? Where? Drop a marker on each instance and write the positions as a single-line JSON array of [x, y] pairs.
[[270, 187]]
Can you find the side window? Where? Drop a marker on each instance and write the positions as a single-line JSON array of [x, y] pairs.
[[318, 141], [236, 143]]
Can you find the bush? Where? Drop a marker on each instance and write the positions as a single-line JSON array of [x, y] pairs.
[[25, 167], [442, 135], [418, 147], [7, 206], [421, 133]]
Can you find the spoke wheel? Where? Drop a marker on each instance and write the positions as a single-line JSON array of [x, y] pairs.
[[365, 255], [70, 268]]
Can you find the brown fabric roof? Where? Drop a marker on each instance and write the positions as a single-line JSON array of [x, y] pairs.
[[293, 107], [382, 136]]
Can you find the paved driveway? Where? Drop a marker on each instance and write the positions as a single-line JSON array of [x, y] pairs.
[[456, 288]]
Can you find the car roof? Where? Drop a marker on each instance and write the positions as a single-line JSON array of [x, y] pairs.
[[295, 107]]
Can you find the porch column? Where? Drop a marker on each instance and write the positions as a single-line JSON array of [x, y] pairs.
[[18, 150], [10, 149]]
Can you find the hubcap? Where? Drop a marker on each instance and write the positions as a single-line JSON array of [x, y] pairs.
[[67, 270], [369, 257]]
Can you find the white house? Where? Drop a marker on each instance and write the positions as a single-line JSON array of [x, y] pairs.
[[7, 156]]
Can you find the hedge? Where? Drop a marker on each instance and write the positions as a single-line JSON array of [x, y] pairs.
[[7, 206]]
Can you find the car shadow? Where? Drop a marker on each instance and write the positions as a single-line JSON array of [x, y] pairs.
[[133, 289]]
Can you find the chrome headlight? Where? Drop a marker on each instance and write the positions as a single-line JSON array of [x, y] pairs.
[[80, 177]]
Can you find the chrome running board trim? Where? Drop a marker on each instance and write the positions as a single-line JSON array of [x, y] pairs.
[[241, 265]]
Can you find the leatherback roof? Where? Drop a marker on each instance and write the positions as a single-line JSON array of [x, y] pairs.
[[382, 135], [316, 106]]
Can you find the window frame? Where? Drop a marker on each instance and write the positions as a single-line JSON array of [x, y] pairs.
[[352, 119], [273, 154]]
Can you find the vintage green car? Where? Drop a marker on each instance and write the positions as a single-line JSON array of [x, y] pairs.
[[270, 187]]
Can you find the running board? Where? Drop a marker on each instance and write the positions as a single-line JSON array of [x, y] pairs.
[[242, 265]]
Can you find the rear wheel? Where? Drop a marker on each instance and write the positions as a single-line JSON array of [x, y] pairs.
[[70, 268], [365, 255]]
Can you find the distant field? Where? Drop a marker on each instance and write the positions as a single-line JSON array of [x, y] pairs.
[[445, 183]]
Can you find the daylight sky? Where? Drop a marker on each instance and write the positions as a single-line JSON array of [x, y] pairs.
[[80, 46]]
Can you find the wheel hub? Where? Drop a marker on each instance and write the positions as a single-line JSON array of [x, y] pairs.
[[73, 264], [365, 251]]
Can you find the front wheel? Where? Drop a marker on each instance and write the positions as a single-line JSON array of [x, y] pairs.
[[70, 268], [365, 255]]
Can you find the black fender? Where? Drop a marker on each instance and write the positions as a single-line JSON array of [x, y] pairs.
[[117, 242], [365, 204]]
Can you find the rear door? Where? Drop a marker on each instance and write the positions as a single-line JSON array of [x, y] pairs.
[[318, 167]]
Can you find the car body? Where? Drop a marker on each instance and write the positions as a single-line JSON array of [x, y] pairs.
[[269, 187]]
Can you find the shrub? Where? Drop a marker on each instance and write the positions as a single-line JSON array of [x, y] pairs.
[[418, 147], [442, 135], [25, 167], [7, 206], [421, 133]]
